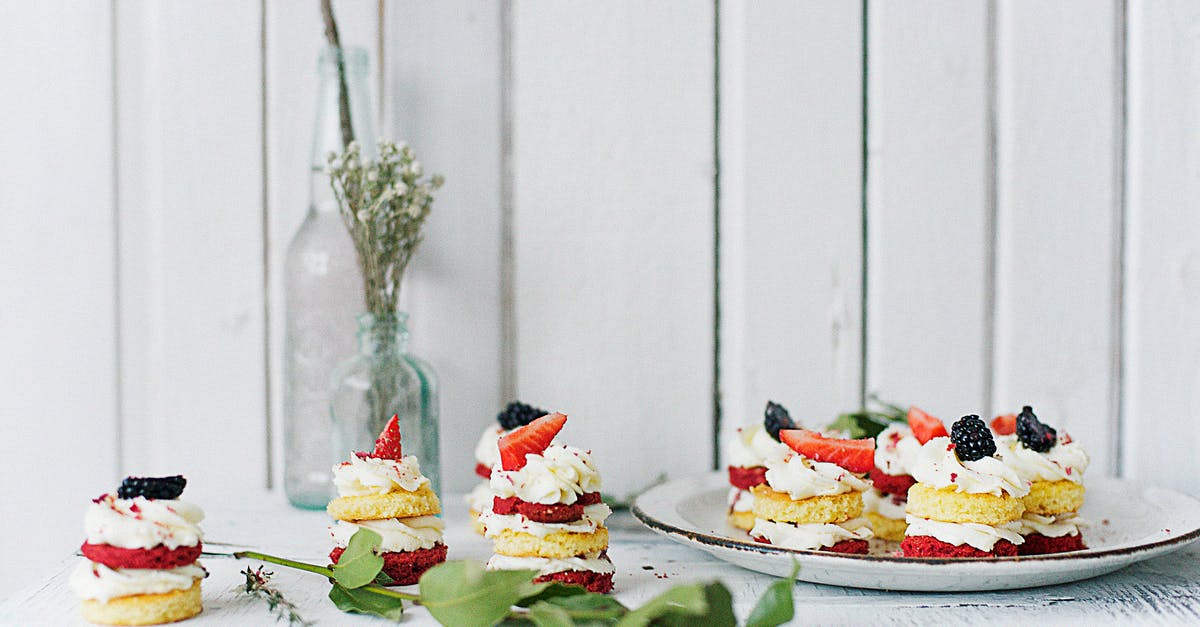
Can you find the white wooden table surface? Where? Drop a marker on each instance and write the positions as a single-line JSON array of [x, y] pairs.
[[1161, 591]]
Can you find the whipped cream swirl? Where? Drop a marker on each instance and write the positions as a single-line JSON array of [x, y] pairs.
[[593, 562], [883, 504], [1065, 461], [592, 519], [363, 476], [398, 534], [487, 451], [740, 500], [810, 536], [750, 446], [479, 499], [804, 478], [1051, 526], [90, 580], [142, 523], [559, 475], [896, 450], [937, 465], [982, 537]]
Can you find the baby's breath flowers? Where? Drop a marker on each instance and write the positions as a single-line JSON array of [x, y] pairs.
[[384, 204]]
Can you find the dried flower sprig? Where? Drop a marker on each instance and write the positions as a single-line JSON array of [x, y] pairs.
[[384, 204], [258, 584]]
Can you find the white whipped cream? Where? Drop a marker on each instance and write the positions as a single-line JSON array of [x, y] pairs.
[[810, 536], [750, 446], [548, 566], [1065, 461], [982, 537], [593, 518], [487, 451], [740, 500], [559, 475], [480, 498], [803, 478], [883, 504], [1051, 526], [90, 580], [362, 476], [937, 465], [896, 449], [398, 534], [142, 523]]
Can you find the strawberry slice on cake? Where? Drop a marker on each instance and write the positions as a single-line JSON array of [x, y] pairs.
[[487, 454], [384, 491], [546, 512]]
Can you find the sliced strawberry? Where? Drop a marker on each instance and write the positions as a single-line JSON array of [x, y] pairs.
[[853, 455], [483, 471], [388, 444], [532, 438], [1005, 425], [924, 426]]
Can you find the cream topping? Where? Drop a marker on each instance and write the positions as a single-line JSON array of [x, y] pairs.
[[593, 562], [982, 537], [398, 534], [142, 523], [937, 465], [896, 449], [363, 476], [592, 519], [750, 446], [803, 478], [559, 475], [90, 580], [810, 536], [1065, 461], [740, 500], [487, 451], [480, 498], [885, 505], [1051, 526]]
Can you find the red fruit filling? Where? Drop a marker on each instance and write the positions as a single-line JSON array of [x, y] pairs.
[[1038, 544], [532, 438], [406, 567], [159, 557], [746, 477], [891, 484], [852, 547], [539, 512], [853, 455], [483, 471], [929, 546], [592, 581]]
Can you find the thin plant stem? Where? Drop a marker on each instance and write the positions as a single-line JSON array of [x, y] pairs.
[[327, 572], [335, 40]]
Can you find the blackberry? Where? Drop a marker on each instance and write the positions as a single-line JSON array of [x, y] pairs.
[[518, 414], [1033, 434], [776, 418], [972, 438], [152, 487]]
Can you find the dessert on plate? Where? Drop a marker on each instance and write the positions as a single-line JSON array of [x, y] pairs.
[[546, 510], [1054, 464], [141, 549], [487, 454], [384, 491], [966, 502], [896, 449], [812, 497], [746, 452]]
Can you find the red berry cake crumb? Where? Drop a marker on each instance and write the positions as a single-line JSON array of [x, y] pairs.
[[850, 547], [543, 513], [592, 581], [1038, 544], [891, 484], [158, 558], [405, 568], [929, 546], [746, 477]]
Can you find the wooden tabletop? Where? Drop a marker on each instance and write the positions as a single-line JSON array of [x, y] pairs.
[[1163, 590]]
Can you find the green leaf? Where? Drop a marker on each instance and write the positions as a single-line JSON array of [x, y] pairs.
[[686, 605], [861, 424], [363, 601], [359, 565], [549, 590], [775, 606], [464, 594], [589, 606], [544, 614]]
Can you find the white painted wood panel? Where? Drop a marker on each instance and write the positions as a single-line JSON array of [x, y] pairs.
[[57, 279], [444, 77], [791, 222], [191, 215], [1162, 366], [929, 237], [1057, 202], [612, 165]]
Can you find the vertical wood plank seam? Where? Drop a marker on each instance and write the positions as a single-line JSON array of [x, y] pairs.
[[114, 126], [264, 154], [991, 200], [716, 323], [864, 274], [1117, 330], [508, 322]]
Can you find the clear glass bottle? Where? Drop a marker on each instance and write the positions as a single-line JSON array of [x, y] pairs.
[[323, 291], [383, 380]]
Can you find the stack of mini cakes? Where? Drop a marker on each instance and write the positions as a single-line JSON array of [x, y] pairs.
[[487, 454], [142, 544], [966, 502], [385, 492], [812, 498], [747, 452], [546, 512], [1055, 465]]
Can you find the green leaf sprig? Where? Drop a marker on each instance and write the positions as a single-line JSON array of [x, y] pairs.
[[258, 583], [465, 594], [869, 423]]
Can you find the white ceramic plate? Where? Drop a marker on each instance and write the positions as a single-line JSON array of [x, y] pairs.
[[1128, 523]]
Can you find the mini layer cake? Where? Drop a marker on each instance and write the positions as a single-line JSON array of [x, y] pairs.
[[896, 449], [1055, 465], [142, 544], [812, 498], [546, 513], [966, 503], [487, 454], [747, 451], [385, 492]]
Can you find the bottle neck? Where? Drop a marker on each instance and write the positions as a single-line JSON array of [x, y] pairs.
[[328, 136], [382, 336]]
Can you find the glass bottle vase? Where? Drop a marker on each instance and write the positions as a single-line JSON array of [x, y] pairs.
[[383, 380]]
